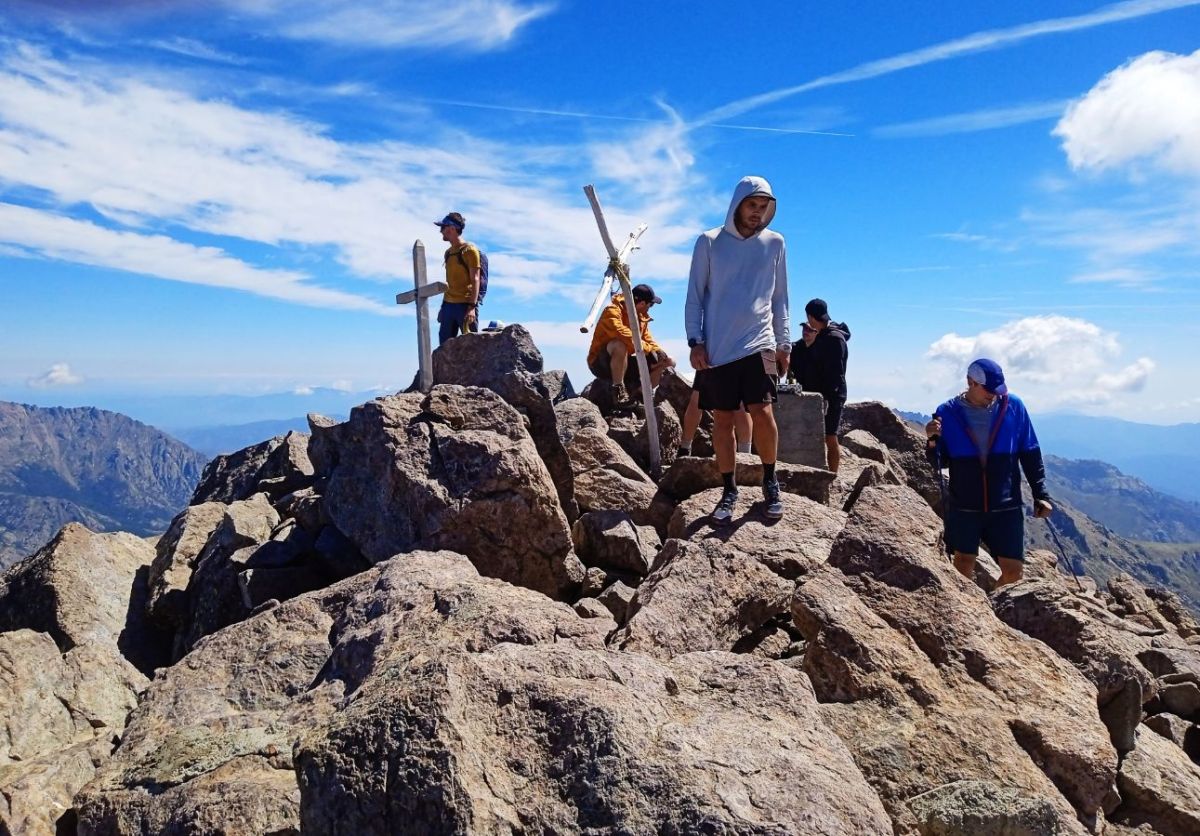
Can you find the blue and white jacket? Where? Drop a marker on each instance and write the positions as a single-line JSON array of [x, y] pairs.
[[994, 484]]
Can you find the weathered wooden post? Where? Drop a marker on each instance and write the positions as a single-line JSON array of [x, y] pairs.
[[618, 268], [421, 294]]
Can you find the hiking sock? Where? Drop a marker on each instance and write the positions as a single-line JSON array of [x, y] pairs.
[[727, 479], [743, 447], [768, 472]]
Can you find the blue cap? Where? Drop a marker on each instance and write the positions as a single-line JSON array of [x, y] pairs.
[[450, 220], [988, 374]]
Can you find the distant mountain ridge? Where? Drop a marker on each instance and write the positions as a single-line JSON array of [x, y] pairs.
[[59, 465]]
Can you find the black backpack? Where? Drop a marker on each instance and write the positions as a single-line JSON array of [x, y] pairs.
[[483, 270]]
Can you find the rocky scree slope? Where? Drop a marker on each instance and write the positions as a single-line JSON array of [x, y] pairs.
[[472, 611]]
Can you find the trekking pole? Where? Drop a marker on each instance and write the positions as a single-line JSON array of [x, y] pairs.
[[936, 464], [1062, 553]]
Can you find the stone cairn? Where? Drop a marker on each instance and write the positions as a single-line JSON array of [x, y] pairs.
[[473, 611]]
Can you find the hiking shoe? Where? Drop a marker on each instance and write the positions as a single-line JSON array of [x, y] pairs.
[[774, 509], [621, 399], [723, 513]]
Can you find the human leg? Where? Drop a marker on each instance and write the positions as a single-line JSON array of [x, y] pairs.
[[450, 319], [691, 422], [963, 533], [833, 452], [965, 564], [618, 360], [766, 431], [723, 439], [833, 419], [1004, 532], [741, 429], [1011, 570]]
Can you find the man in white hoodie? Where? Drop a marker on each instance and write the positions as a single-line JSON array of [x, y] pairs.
[[736, 318]]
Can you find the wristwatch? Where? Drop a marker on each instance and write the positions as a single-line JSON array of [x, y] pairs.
[[693, 342]]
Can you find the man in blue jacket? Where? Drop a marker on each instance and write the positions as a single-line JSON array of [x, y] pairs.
[[736, 319], [986, 438]]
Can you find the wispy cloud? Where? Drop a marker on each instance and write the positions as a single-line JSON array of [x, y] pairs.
[[968, 45], [474, 25], [1128, 277], [59, 374], [978, 120], [191, 48], [45, 235]]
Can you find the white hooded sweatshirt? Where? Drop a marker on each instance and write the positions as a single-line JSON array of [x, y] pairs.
[[737, 299]]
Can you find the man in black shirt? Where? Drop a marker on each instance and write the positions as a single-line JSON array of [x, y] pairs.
[[821, 367]]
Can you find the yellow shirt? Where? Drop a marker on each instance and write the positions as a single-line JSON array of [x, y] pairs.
[[459, 279]]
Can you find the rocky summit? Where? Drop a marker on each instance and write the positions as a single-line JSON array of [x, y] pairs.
[[475, 611]]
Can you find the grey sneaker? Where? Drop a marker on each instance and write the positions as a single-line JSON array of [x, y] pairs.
[[774, 509], [723, 513]]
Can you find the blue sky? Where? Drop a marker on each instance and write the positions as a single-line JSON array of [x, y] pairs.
[[222, 197]]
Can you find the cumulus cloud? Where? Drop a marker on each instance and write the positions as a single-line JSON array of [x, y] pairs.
[[59, 374], [1147, 110], [1051, 360]]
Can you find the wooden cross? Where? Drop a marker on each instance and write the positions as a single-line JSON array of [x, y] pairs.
[[618, 268], [420, 294]]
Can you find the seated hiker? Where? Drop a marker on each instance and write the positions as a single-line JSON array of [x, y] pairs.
[[819, 358], [611, 354], [987, 439], [691, 423], [460, 304]]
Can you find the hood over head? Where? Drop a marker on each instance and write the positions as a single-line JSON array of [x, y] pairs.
[[746, 187]]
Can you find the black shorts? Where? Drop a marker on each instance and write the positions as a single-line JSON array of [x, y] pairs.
[[833, 415], [601, 367], [748, 381], [1003, 531]]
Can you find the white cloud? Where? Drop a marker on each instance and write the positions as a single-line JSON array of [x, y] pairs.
[[978, 120], [1147, 110], [475, 25], [1132, 378], [59, 374], [48, 235], [1049, 360], [303, 391], [1119, 276], [159, 159]]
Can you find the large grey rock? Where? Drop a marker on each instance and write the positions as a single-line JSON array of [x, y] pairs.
[[1131, 595], [789, 547], [914, 669], [1079, 630], [60, 715], [214, 599], [800, 417], [905, 443], [987, 808], [453, 469], [630, 432], [606, 478], [691, 475], [420, 698], [1160, 787], [611, 539], [276, 466], [175, 557], [85, 587], [508, 363], [701, 596]]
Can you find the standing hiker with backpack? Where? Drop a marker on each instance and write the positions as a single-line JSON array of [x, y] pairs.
[[736, 319], [987, 439], [820, 363], [466, 280]]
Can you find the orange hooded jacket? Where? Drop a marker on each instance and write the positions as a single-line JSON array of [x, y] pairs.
[[614, 325]]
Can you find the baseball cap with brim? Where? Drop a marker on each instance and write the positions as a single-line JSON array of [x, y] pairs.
[[817, 309], [448, 221], [645, 293], [988, 374]]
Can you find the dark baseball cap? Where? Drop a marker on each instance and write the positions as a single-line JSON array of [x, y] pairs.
[[645, 293], [817, 309]]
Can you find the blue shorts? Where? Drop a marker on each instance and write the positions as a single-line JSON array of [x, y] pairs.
[[452, 318], [1002, 531]]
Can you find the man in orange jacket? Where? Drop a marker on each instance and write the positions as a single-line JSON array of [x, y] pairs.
[[612, 344]]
